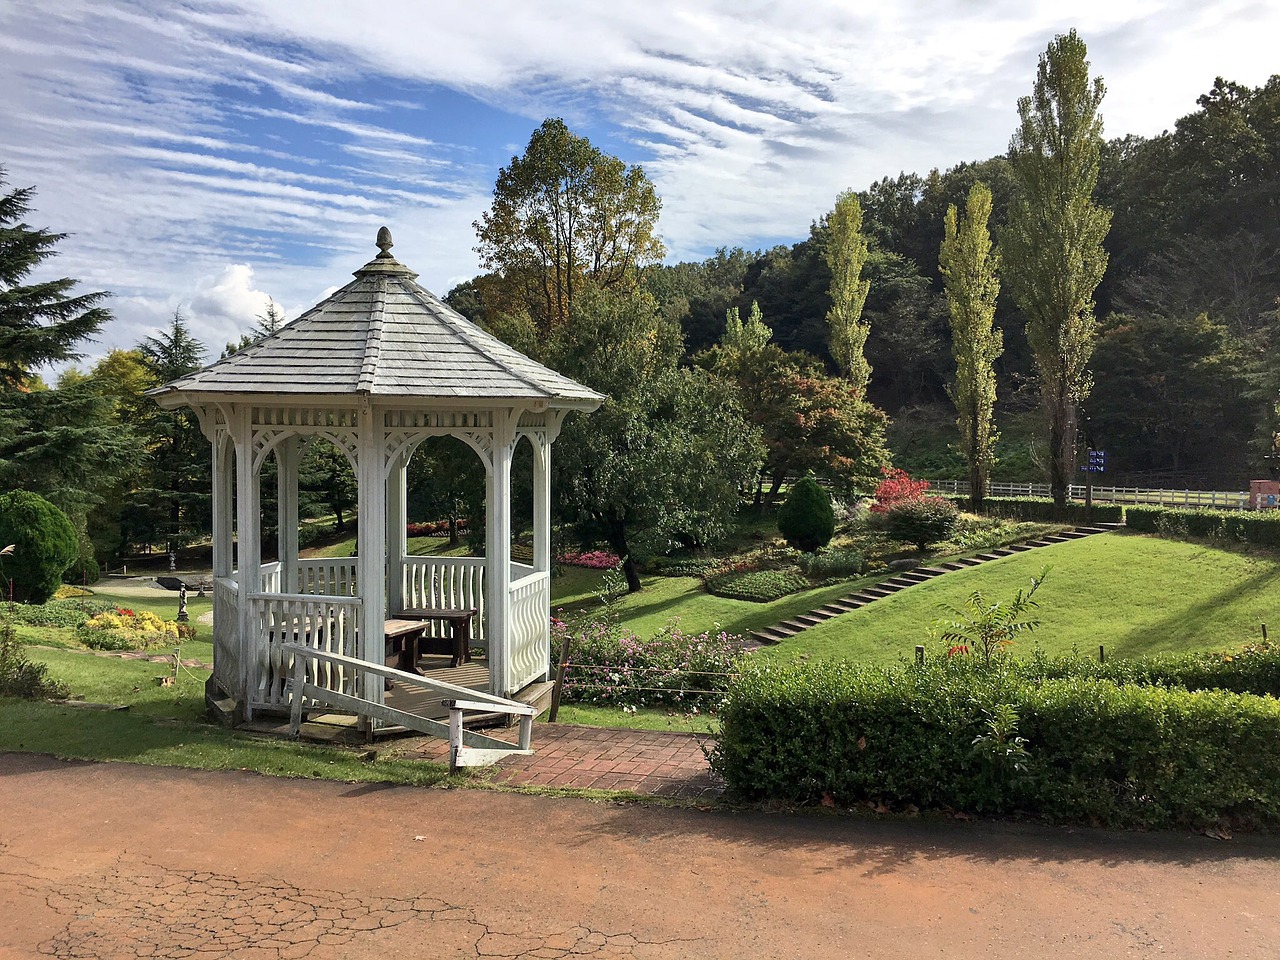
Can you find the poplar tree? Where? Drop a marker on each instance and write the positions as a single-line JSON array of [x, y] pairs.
[[846, 254], [969, 269], [1052, 246]]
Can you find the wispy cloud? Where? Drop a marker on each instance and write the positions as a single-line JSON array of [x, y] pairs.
[[251, 146]]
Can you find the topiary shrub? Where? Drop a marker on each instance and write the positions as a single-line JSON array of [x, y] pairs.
[[923, 521], [44, 545], [805, 518]]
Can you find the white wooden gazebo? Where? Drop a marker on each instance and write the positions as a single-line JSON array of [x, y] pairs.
[[375, 369]]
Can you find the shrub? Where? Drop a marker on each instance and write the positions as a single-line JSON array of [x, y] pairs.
[[829, 564], [897, 487], [60, 613], [613, 666], [922, 521], [1042, 510], [83, 570], [685, 566], [44, 545], [964, 734], [805, 518], [123, 629], [1245, 526], [762, 586], [19, 677]]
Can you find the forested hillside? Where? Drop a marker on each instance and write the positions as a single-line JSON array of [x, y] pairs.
[[1185, 370]]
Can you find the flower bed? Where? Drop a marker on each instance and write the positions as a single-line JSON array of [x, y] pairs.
[[592, 559], [123, 629], [610, 665], [760, 586], [436, 528]]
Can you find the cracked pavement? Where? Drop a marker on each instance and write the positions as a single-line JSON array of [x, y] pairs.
[[114, 860]]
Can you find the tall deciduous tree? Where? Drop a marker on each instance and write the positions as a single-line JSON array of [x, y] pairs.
[[40, 323], [970, 268], [846, 254], [1052, 246], [664, 458], [565, 214]]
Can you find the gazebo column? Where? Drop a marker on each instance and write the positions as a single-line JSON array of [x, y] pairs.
[[223, 510], [397, 518], [249, 538], [288, 454], [497, 506], [371, 568], [541, 504]]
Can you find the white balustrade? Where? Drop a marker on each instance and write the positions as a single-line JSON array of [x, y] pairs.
[[327, 623], [449, 583], [329, 577], [226, 635], [529, 639], [269, 578]]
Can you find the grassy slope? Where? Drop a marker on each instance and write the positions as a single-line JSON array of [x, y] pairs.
[[1134, 594]]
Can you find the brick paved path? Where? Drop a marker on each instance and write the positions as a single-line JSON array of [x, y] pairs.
[[601, 758]]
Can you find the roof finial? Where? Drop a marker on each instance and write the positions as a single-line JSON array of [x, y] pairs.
[[384, 244]]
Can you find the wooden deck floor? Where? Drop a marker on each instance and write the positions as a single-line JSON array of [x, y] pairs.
[[473, 675]]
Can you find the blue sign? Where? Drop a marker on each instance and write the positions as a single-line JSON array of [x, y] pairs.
[[1097, 462]]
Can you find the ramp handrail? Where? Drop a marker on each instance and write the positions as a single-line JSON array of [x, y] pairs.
[[466, 747]]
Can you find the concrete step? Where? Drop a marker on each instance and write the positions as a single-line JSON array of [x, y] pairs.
[[932, 571], [1020, 547], [537, 695], [812, 618], [769, 636]]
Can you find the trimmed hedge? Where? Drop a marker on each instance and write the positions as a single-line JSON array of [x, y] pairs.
[[1041, 509], [1245, 526], [955, 733], [761, 586]]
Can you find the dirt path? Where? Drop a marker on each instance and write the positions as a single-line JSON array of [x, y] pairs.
[[112, 860]]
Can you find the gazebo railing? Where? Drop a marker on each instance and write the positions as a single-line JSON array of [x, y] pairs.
[[456, 583], [530, 626], [327, 576], [269, 580], [327, 623], [226, 635]]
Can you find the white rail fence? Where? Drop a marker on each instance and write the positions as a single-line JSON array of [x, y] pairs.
[[1213, 499], [530, 629]]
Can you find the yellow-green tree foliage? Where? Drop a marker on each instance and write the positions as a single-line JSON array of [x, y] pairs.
[[970, 274], [565, 215], [749, 336], [1052, 246], [846, 254]]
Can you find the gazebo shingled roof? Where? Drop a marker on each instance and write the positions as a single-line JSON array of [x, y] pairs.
[[384, 335]]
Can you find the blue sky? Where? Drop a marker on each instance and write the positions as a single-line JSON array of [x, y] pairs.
[[207, 155]]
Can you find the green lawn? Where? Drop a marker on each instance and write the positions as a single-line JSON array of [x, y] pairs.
[[165, 726], [1132, 593]]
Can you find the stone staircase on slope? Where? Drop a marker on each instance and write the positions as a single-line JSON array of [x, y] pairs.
[[901, 581]]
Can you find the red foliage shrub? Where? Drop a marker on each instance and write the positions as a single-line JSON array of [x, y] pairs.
[[897, 487]]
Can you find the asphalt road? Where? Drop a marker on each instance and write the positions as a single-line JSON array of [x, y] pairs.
[[114, 860]]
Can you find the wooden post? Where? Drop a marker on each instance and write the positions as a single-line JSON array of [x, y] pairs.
[[559, 687], [919, 653], [1102, 654], [1264, 633]]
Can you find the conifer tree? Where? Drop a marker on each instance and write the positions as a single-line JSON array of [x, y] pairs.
[[40, 323]]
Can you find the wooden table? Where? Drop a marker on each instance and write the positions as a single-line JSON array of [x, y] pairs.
[[457, 644]]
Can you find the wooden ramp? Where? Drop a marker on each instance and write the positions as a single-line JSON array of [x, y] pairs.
[[467, 747]]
